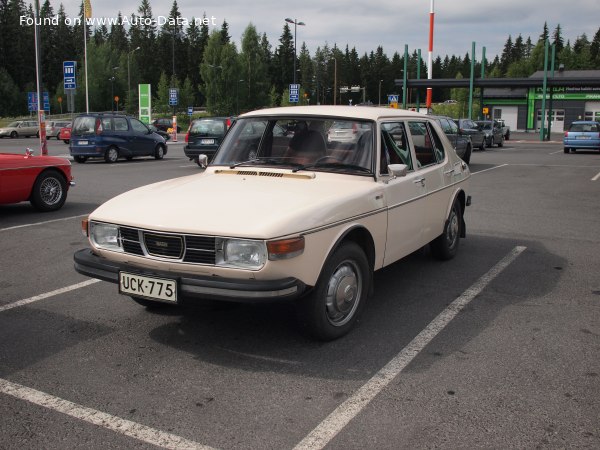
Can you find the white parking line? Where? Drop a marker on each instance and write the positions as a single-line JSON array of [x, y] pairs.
[[491, 168], [596, 177], [42, 223], [343, 414], [36, 298], [127, 427]]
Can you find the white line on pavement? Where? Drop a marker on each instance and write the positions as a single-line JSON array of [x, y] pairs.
[[128, 428], [491, 168], [42, 223], [36, 298], [343, 414], [596, 177]]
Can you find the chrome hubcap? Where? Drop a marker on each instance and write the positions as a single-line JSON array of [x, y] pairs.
[[343, 293], [51, 191], [452, 231]]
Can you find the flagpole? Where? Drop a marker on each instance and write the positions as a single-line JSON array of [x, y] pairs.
[[85, 16]]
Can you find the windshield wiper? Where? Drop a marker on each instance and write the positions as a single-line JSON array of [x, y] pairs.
[[332, 165], [263, 159]]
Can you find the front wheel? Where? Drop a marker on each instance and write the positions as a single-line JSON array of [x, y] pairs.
[[159, 152], [339, 296], [501, 142], [467, 157], [111, 155], [445, 246], [49, 191], [80, 159]]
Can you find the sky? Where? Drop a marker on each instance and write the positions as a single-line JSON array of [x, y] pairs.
[[391, 24]]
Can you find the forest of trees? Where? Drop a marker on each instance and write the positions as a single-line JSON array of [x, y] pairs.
[[210, 70]]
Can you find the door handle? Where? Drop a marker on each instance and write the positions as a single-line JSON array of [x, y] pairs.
[[420, 181], [449, 172]]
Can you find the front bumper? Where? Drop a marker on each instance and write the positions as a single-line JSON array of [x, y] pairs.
[[194, 287]]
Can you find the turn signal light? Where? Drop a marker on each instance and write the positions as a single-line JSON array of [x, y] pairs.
[[285, 248], [85, 227]]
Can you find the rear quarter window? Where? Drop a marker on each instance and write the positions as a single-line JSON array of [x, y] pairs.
[[84, 125]]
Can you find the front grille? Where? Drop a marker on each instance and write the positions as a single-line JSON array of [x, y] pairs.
[[182, 247], [164, 245]]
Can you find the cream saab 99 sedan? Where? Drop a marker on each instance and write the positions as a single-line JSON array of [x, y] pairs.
[[287, 212]]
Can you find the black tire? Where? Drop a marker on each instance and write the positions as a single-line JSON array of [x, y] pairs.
[[66, 141], [501, 143], [112, 155], [80, 159], [14, 135], [49, 191], [567, 150], [445, 246], [492, 142], [332, 308], [129, 158], [482, 145], [507, 136], [467, 157], [159, 152]]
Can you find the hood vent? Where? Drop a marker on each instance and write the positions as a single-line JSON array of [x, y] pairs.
[[266, 173]]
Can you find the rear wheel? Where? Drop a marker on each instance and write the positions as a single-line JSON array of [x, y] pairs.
[[567, 150], [111, 155], [14, 135], [339, 296], [80, 159], [445, 246], [49, 191], [467, 157]]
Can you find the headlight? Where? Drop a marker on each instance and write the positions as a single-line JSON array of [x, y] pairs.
[[245, 254], [105, 236]]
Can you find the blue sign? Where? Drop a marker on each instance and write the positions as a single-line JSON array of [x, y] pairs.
[[190, 110], [173, 96], [70, 81], [294, 93], [32, 101], [392, 98]]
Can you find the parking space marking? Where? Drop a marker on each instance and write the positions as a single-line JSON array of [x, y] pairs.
[[596, 177], [123, 426], [343, 414], [36, 298], [491, 168], [42, 223]]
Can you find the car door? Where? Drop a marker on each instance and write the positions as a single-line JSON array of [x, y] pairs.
[[402, 195], [432, 173], [142, 139]]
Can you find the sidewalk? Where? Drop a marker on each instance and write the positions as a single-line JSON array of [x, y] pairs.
[[534, 136]]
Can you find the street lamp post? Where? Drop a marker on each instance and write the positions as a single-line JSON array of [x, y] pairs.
[[296, 23], [379, 104], [112, 89], [129, 77], [237, 95]]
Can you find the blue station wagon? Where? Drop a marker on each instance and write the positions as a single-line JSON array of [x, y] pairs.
[[582, 134]]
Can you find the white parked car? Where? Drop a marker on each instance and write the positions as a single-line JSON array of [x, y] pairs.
[[282, 213]]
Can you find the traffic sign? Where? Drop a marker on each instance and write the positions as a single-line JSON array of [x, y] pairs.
[[294, 93], [173, 96], [32, 101], [190, 110], [393, 98], [70, 80]]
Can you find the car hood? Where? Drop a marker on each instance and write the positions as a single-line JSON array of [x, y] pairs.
[[252, 203], [16, 160]]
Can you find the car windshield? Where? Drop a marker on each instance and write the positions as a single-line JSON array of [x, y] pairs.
[[583, 127], [13, 125], [208, 127], [298, 143], [485, 125]]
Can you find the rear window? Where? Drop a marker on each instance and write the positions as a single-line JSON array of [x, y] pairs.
[[84, 125], [583, 127], [208, 127]]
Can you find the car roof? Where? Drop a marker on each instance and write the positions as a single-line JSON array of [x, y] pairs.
[[336, 111]]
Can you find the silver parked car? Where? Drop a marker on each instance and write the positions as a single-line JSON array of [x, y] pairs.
[[20, 128], [494, 134]]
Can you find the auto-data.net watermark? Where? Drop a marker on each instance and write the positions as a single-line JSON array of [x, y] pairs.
[[125, 21]]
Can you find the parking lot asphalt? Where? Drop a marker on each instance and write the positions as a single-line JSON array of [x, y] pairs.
[[497, 348]]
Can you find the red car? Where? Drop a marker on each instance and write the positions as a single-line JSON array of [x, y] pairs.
[[65, 134], [42, 180]]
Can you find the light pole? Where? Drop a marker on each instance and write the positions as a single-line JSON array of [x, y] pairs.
[[112, 89], [129, 77], [296, 23], [237, 99], [379, 104]]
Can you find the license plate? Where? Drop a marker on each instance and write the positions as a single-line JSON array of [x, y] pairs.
[[582, 137], [83, 142], [148, 287], [207, 141]]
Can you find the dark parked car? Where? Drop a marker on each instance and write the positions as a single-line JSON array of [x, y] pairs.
[[461, 142], [165, 124], [204, 137], [582, 134], [494, 135], [470, 128], [111, 136], [162, 133]]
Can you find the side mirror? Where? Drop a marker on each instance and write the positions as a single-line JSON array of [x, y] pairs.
[[203, 161], [398, 170]]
